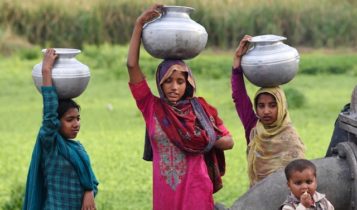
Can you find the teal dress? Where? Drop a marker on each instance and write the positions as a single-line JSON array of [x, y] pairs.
[[60, 169]]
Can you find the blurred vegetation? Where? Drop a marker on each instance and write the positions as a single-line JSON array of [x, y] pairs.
[[327, 63], [296, 99], [16, 198], [65, 23], [110, 60]]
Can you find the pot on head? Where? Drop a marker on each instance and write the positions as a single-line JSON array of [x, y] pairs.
[[270, 62], [174, 35], [70, 77]]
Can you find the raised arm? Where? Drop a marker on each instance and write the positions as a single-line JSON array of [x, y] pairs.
[[50, 123], [240, 96], [135, 73], [47, 65]]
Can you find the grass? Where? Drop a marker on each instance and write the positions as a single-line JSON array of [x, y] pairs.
[[113, 128]]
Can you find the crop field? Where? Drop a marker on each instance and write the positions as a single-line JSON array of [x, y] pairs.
[[324, 23]]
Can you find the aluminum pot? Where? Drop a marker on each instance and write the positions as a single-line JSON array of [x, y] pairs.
[[69, 76], [174, 35], [270, 62]]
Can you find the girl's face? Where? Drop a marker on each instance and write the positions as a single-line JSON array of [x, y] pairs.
[[70, 123], [304, 181], [267, 108], [174, 87]]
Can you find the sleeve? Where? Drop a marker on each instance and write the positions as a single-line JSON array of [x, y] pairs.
[[50, 122], [242, 102], [144, 99], [329, 205]]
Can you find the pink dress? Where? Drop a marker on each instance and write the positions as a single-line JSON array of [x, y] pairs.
[[180, 180]]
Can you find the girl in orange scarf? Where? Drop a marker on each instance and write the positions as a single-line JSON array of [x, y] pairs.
[[272, 140]]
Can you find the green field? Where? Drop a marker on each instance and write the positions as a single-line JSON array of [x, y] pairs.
[[114, 137], [66, 23]]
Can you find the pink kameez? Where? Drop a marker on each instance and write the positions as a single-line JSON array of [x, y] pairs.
[[180, 180]]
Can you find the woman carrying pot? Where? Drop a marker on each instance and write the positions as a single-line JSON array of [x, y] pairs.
[[271, 138], [60, 174], [186, 135]]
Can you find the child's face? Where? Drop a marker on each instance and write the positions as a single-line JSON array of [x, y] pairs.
[[304, 181], [267, 109], [70, 123]]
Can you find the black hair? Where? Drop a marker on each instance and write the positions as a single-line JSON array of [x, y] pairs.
[[64, 105], [188, 91], [299, 165]]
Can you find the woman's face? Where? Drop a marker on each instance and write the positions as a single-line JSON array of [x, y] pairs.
[[70, 123], [267, 108], [174, 87]]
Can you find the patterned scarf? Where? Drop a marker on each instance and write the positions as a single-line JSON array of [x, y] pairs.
[[274, 146], [190, 123]]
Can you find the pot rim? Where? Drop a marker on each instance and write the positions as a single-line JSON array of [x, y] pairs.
[[64, 51], [177, 8], [267, 38]]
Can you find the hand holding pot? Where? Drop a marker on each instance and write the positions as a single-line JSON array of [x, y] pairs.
[[61, 69], [150, 14], [241, 50], [174, 35], [135, 73], [49, 59]]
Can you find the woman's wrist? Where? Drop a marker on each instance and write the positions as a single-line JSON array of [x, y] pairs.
[[237, 70], [46, 72], [236, 63], [139, 23]]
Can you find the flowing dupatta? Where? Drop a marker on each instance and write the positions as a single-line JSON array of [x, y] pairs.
[[191, 138], [189, 125], [35, 193]]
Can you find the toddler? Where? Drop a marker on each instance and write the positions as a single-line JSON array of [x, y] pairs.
[[301, 180]]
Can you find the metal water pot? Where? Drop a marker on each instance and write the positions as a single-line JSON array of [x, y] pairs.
[[69, 76], [174, 35], [270, 62]]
